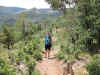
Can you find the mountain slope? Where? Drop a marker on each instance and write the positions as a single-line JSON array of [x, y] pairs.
[[8, 15], [38, 15], [10, 10]]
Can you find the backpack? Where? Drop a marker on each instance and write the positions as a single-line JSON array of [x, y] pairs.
[[47, 40]]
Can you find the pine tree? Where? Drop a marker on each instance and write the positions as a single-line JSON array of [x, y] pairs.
[[7, 37], [22, 25]]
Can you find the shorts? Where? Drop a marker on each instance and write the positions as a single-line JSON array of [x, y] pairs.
[[48, 47]]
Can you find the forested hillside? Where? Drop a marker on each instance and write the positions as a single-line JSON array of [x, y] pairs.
[[38, 15], [9, 15], [10, 10]]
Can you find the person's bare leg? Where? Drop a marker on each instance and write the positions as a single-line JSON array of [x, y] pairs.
[[46, 53], [49, 53]]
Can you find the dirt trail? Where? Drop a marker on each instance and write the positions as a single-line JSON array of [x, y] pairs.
[[50, 66]]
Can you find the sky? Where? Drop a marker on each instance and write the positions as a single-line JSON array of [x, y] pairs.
[[25, 3]]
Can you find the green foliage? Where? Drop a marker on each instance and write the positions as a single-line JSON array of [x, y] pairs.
[[36, 72], [2, 63], [5, 68], [7, 37], [25, 52], [80, 25], [60, 55], [61, 4], [77, 30], [89, 15], [33, 49], [93, 67]]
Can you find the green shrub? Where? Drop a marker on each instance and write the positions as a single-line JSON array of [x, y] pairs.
[[33, 49], [37, 55], [93, 67], [36, 72], [6, 69], [60, 55], [2, 63]]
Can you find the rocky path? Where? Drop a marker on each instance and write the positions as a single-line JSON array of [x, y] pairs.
[[50, 66]]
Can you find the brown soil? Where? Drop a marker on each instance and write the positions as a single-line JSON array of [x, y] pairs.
[[50, 66]]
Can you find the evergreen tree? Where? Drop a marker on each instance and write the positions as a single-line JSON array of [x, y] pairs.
[[22, 25], [7, 37]]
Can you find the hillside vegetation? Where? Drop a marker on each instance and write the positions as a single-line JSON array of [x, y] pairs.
[[75, 32], [9, 15]]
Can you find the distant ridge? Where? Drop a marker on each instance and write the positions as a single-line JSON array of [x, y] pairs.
[[8, 15], [11, 7], [10, 10]]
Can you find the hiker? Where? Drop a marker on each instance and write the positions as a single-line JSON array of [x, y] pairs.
[[48, 44]]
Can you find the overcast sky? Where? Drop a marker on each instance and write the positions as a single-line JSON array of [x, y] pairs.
[[25, 3]]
